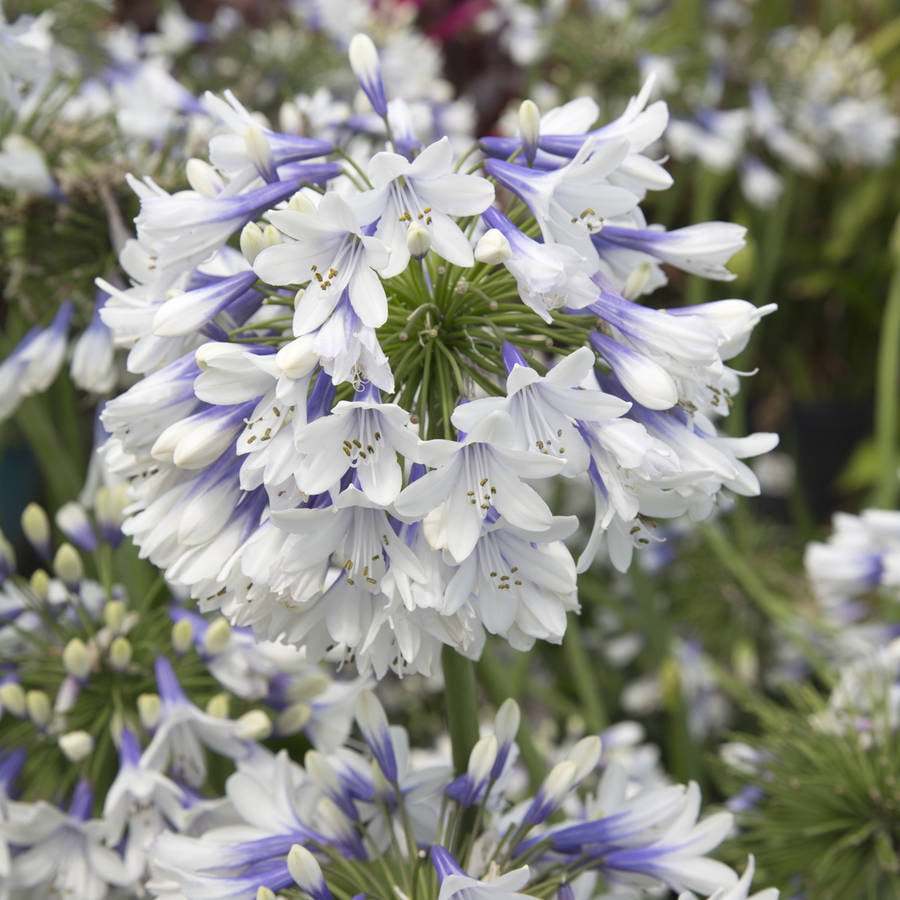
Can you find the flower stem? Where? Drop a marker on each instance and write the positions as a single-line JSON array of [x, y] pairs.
[[886, 389], [585, 677], [461, 698]]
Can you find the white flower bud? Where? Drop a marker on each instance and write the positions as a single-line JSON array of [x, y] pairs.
[[292, 719], [72, 520], [529, 128], [637, 281], [149, 709], [67, 564], [76, 745], [506, 723], [493, 248], [38, 706], [586, 754], [298, 358], [203, 177], [481, 759], [289, 118], [39, 583], [12, 698], [36, 527], [182, 636], [219, 706], [559, 782], [255, 239], [259, 151], [299, 202], [309, 685], [264, 893], [109, 506], [217, 637], [77, 659], [7, 557], [114, 615], [120, 653], [418, 240], [305, 870], [253, 726]]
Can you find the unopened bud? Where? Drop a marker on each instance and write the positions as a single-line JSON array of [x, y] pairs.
[[260, 152], [481, 759], [114, 615], [292, 719], [77, 659], [217, 637], [120, 653], [529, 128], [149, 709], [298, 358], [506, 723], [203, 177], [309, 685], [253, 726], [255, 239], [418, 240], [219, 705], [182, 636], [36, 527], [366, 68], [72, 520], [586, 754], [493, 248], [305, 870], [264, 893], [39, 584], [7, 558], [299, 202], [109, 510], [38, 706], [76, 745], [12, 698], [67, 564]]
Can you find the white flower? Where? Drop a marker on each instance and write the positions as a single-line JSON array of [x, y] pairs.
[[425, 191]]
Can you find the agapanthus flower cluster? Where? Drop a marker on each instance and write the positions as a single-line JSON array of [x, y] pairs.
[[386, 820], [89, 674], [338, 428], [855, 577]]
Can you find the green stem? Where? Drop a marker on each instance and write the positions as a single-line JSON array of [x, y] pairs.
[[584, 677], [461, 699], [499, 683], [886, 390]]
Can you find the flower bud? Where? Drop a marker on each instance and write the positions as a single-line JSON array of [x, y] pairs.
[[67, 564], [299, 202], [7, 558], [76, 745], [114, 615], [481, 759], [418, 240], [637, 281], [305, 870], [253, 726], [493, 248], [77, 659], [39, 583], [149, 710], [36, 527], [255, 239], [586, 754], [203, 177], [529, 128], [309, 685], [264, 893], [182, 636], [72, 520], [292, 719], [120, 653], [109, 510], [364, 62], [217, 637], [260, 152], [219, 705], [12, 698], [298, 358], [38, 705]]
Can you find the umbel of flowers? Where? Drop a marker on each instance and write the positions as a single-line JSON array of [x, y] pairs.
[[387, 821], [338, 426], [89, 676]]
